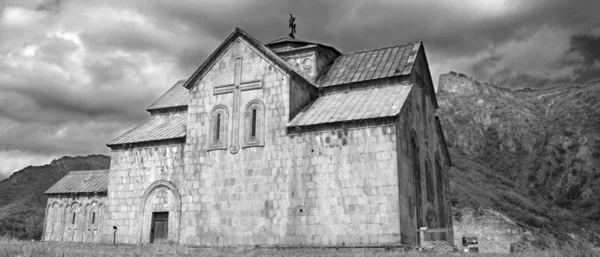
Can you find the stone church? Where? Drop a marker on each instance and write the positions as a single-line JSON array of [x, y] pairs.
[[288, 143]]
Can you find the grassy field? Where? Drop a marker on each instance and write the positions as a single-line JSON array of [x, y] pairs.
[[14, 248]]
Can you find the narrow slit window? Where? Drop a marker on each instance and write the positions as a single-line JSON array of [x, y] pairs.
[[254, 117], [218, 130], [253, 123], [73, 221], [93, 218], [429, 181]]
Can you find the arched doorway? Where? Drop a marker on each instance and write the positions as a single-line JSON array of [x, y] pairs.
[[161, 211]]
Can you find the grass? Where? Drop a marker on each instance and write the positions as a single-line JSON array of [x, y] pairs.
[[14, 248]]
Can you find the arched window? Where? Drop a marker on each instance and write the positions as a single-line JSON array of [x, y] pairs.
[[440, 190], [219, 118], [74, 210], [429, 181], [417, 178], [254, 124], [253, 134], [218, 130]]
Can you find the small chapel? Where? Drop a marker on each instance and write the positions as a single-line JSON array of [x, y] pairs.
[[285, 143]]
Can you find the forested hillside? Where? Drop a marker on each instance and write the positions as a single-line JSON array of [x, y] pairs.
[[22, 198]]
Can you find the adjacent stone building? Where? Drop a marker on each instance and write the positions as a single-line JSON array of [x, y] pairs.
[[77, 207], [285, 143]]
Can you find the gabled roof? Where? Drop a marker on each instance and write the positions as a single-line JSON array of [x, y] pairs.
[[176, 96], [360, 104], [84, 181], [371, 64], [157, 127], [205, 67]]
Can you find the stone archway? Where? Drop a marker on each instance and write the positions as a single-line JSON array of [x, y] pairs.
[[160, 197]]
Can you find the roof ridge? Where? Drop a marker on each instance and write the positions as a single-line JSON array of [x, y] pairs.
[[379, 48], [82, 171], [404, 83], [281, 39]]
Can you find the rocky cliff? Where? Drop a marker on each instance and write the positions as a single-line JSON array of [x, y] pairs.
[[545, 145]]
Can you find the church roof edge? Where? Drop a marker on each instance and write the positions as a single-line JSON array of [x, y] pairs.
[[82, 181], [176, 96], [371, 64], [155, 128], [358, 104], [199, 73]]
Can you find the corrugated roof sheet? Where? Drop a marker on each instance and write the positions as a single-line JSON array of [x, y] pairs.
[[176, 96], [354, 105], [157, 127], [84, 181], [371, 64]]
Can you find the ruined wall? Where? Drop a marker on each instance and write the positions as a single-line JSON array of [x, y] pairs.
[[133, 178], [494, 231], [86, 225], [338, 187]]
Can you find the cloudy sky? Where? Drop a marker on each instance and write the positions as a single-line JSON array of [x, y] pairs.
[[76, 74]]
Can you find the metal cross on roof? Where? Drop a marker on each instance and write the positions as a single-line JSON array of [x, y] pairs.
[[292, 26]]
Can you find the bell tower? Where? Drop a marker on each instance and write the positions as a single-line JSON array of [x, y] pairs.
[[308, 58]]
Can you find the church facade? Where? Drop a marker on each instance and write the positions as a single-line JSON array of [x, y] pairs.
[[285, 143]]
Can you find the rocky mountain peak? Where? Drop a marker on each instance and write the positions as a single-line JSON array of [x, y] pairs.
[[461, 84], [545, 141]]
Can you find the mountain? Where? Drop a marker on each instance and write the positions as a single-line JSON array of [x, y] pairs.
[[22, 198], [532, 154]]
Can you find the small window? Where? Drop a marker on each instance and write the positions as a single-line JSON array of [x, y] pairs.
[[218, 121], [429, 181], [93, 218], [254, 124], [73, 220], [440, 190], [417, 178], [218, 129]]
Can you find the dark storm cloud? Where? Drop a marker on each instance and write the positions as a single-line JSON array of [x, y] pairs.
[[472, 30], [73, 69]]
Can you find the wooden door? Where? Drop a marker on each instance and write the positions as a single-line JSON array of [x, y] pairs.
[[159, 230]]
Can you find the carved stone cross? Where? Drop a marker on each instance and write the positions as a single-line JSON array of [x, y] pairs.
[[235, 88]]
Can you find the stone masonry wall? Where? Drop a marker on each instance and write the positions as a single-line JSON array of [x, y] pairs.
[[304, 62], [418, 116], [131, 175], [86, 225], [323, 188], [336, 187]]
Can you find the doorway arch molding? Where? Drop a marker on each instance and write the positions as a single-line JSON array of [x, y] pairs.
[[146, 211]]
